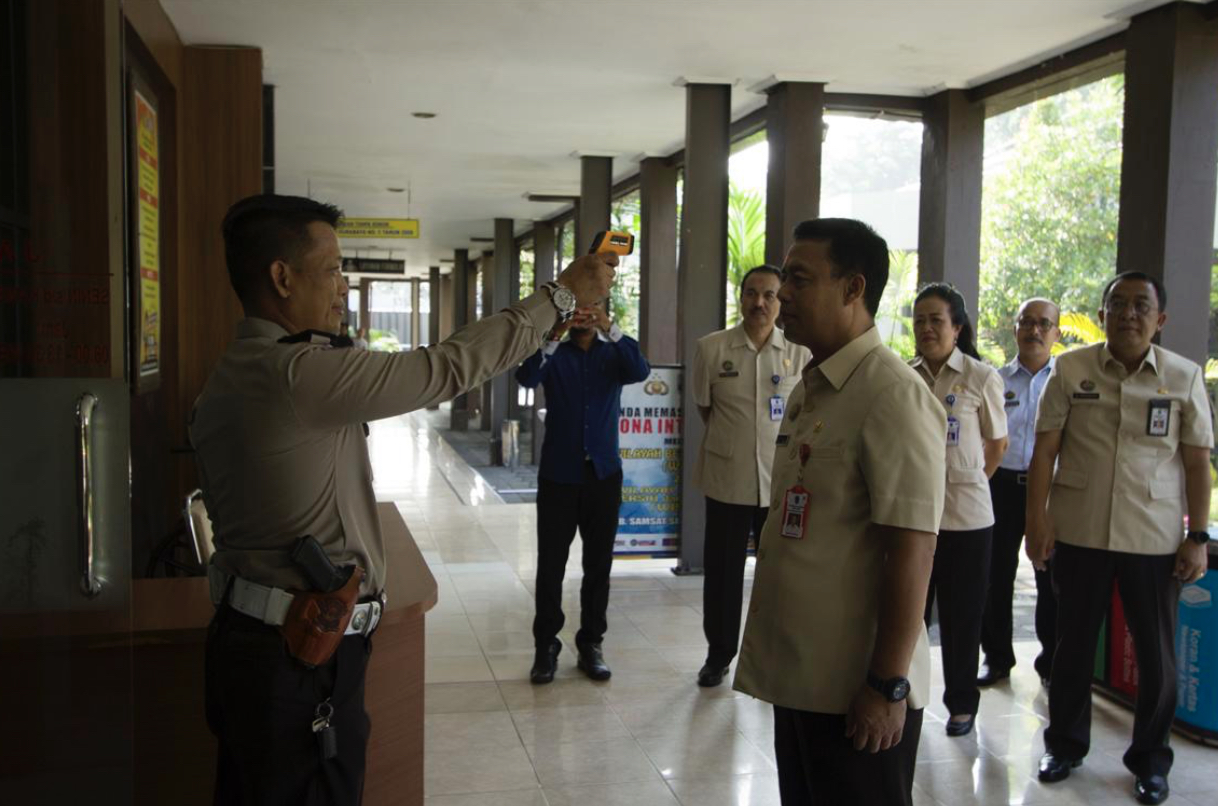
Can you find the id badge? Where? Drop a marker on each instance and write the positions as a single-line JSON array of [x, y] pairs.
[[953, 432], [1158, 421], [794, 513], [778, 407]]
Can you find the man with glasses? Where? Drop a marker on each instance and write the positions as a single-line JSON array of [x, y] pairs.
[[1036, 331], [1129, 427]]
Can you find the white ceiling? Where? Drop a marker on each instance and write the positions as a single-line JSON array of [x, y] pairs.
[[519, 85]]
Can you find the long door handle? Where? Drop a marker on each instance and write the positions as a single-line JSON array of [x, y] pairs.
[[90, 584]]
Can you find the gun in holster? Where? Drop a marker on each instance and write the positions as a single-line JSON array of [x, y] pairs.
[[317, 619]]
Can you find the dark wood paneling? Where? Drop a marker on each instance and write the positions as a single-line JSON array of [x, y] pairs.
[[75, 191], [1170, 165], [221, 159]]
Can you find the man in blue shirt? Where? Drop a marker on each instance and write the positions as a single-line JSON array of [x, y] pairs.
[[1036, 331], [579, 481]]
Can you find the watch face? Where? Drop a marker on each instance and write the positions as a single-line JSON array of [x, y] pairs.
[[564, 298], [900, 690]]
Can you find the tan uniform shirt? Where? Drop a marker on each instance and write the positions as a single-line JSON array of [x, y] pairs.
[[279, 440], [736, 380], [875, 457], [971, 393], [1117, 486]]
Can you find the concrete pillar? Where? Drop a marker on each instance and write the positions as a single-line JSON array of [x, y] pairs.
[[487, 267], [702, 276], [1170, 165], [504, 286], [795, 126], [658, 260], [416, 331], [434, 300], [595, 191], [544, 255], [949, 215], [462, 301]]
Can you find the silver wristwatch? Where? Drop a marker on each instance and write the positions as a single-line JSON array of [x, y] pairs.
[[563, 299]]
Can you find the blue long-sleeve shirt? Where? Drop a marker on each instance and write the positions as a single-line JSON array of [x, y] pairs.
[[583, 403]]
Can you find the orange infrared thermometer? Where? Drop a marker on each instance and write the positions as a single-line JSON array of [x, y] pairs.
[[610, 242]]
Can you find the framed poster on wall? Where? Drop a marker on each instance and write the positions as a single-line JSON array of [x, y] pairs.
[[144, 200]]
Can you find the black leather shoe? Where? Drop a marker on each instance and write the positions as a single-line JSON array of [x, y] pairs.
[[1151, 789], [711, 675], [961, 728], [545, 663], [592, 663], [989, 675], [1054, 768]]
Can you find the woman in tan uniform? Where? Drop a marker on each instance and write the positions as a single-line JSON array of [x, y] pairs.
[[971, 392]]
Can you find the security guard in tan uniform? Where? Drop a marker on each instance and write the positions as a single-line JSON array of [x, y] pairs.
[[1129, 427], [741, 379], [971, 394], [835, 638], [283, 461]]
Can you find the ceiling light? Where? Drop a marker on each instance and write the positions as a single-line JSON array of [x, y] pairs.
[[424, 115]]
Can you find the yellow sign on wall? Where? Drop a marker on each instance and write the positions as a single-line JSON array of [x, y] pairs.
[[378, 228], [148, 247]]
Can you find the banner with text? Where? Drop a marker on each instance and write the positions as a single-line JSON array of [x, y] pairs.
[[649, 434]]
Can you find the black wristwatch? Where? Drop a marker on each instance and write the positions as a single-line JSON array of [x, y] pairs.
[[894, 689], [1201, 538]]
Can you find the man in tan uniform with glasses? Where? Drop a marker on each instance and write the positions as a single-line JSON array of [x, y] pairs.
[[1129, 428]]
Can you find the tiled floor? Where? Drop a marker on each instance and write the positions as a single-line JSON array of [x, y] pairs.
[[650, 735]]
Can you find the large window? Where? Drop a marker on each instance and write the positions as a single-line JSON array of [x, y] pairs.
[[528, 278], [624, 302], [389, 312], [746, 171], [1049, 211], [872, 171], [424, 313]]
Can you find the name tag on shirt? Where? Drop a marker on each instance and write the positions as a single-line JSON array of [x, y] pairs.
[[1158, 422], [794, 513], [730, 374], [1010, 404], [783, 439], [1086, 395], [953, 432], [777, 407]]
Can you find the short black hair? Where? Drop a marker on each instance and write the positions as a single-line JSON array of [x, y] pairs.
[[258, 230], [1160, 291], [854, 248], [764, 268]]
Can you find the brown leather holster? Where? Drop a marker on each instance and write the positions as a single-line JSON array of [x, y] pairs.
[[316, 622]]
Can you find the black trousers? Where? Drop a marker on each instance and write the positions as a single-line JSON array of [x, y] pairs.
[[1150, 595], [818, 765], [728, 527], [958, 582], [592, 507], [261, 704], [1010, 501]]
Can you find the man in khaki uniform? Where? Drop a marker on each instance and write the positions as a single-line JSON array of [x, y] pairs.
[[280, 443], [835, 638], [1129, 427], [741, 379]]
